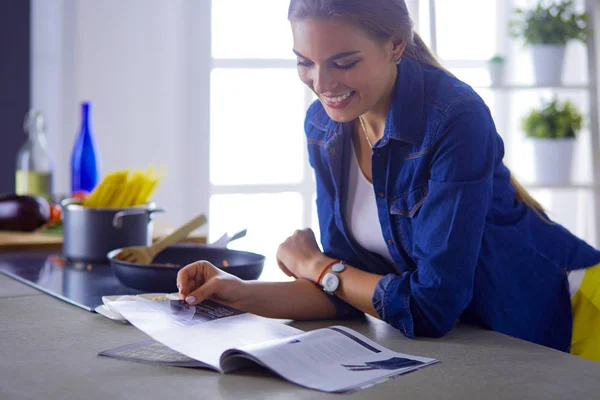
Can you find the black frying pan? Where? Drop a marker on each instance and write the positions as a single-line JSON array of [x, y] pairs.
[[162, 279]]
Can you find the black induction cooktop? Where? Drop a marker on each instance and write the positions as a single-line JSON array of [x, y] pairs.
[[80, 284]]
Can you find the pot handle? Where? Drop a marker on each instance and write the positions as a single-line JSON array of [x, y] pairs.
[[118, 218]]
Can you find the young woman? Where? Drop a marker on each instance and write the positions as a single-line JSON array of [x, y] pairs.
[[421, 223]]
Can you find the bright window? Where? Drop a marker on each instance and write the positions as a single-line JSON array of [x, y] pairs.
[[259, 173], [466, 29], [256, 126], [247, 29], [269, 218]]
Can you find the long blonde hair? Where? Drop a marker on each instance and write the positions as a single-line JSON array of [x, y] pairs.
[[388, 20]]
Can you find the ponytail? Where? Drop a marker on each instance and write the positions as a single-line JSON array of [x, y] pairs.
[[522, 195], [418, 50]]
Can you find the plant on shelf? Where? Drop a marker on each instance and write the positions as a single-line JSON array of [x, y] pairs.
[[551, 22], [496, 69], [553, 121], [547, 28], [553, 129]]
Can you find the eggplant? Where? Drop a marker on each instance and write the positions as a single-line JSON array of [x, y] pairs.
[[23, 213]]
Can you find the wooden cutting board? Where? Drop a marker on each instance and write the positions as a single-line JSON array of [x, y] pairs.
[[29, 241], [45, 241]]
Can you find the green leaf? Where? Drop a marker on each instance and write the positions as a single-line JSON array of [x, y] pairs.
[[553, 120]]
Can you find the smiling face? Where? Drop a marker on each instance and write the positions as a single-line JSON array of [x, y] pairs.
[[351, 73]]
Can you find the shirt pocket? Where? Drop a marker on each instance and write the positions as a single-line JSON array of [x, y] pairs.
[[404, 209]]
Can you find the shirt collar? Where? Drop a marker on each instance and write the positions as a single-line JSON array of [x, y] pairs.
[[405, 118]]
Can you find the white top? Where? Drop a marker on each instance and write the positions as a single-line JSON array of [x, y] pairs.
[[575, 279], [361, 212]]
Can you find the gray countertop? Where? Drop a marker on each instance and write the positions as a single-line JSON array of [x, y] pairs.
[[49, 351]]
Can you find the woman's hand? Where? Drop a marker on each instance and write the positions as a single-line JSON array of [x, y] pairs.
[[299, 256], [202, 280]]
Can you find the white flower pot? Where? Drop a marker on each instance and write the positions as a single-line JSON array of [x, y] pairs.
[[496, 73], [553, 160], [548, 63]]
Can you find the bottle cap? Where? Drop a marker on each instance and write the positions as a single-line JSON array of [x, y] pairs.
[[34, 122]]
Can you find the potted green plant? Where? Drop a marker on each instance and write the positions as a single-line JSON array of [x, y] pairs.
[[496, 69], [547, 28], [552, 130]]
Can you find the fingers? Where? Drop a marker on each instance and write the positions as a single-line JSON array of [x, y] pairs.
[[311, 234], [191, 276], [301, 239], [207, 290], [304, 233]]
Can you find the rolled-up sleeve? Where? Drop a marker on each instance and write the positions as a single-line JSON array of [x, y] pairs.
[[447, 230]]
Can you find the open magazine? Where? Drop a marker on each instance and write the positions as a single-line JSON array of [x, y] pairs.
[[211, 335]]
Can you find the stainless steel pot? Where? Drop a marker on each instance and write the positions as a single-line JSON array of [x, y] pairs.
[[90, 233]]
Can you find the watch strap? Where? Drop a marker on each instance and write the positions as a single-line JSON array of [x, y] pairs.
[[322, 274]]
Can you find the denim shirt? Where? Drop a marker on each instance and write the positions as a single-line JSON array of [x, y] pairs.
[[463, 247]]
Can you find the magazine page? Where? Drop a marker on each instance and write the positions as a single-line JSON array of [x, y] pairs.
[[153, 352], [202, 332], [334, 359]]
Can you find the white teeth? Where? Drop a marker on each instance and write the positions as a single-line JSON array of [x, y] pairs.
[[339, 98]]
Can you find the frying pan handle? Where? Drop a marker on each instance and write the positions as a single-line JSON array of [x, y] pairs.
[[118, 218]]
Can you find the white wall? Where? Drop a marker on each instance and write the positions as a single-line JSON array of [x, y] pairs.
[[144, 66]]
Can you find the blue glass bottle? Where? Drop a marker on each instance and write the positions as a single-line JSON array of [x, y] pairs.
[[84, 159]]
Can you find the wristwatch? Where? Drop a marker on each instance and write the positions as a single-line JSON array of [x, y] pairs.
[[331, 281]]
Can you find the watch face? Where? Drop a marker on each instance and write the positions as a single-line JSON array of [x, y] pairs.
[[339, 267], [330, 282]]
